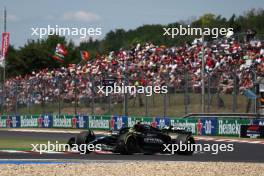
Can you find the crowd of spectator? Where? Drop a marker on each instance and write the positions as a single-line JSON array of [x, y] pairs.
[[229, 64]]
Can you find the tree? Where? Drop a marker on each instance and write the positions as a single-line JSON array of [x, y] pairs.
[[34, 55]]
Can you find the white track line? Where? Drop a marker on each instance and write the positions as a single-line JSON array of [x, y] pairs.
[[54, 131], [13, 151], [230, 140]]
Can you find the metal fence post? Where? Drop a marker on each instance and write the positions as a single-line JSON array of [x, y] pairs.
[[254, 75], [165, 105], [185, 91], [125, 100], [146, 100], [16, 94], [109, 103], [28, 96], [153, 99], [93, 94], [165, 99], [202, 76], [234, 107], [125, 94], [75, 91], [44, 96], [208, 92], [3, 98], [146, 105], [60, 89]]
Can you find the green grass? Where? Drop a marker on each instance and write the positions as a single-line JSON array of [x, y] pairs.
[[174, 106]]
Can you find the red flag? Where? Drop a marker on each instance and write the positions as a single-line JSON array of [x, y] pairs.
[[5, 44], [85, 55]]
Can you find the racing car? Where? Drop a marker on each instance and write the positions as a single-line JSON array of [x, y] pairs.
[[141, 138]]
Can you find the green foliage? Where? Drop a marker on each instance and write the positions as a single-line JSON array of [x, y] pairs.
[[34, 55]]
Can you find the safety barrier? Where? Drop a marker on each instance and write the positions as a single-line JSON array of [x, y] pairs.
[[197, 125]]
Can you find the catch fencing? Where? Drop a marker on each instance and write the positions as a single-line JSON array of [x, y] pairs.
[[224, 92]]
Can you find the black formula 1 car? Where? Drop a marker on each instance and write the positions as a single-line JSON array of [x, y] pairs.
[[141, 138]]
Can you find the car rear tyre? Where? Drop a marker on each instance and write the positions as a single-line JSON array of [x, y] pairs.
[[128, 145], [188, 141], [72, 141]]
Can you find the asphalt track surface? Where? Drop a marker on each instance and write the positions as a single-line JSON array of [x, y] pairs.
[[243, 152]]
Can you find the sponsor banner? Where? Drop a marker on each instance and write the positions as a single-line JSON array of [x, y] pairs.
[[63, 121], [252, 131], [3, 122], [71, 121], [11, 121], [118, 122], [258, 122], [74, 120], [29, 121], [198, 126], [231, 127], [190, 125], [45, 121], [82, 122], [207, 126], [131, 121], [99, 122], [162, 122]]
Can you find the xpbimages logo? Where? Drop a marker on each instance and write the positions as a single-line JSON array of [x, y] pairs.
[[57, 147], [211, 148], [116, 89], [66, 31], [188, 30]]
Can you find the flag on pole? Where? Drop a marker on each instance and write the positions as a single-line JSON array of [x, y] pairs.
[[5, 44], [2, 61], [84, 55], [60, 53]]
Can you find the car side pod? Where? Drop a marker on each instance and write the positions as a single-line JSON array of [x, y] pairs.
[[187, 141]]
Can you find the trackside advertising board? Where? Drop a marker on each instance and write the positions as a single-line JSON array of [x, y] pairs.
[[258, 122], [198, 126], [187, 124], [131, 121], [252, 131], [63, 121], [118, 122], [99, 122], [161, 122], [27, 121], [68, 121], [9, 121], [207, 126], [231, 127], [45, 121]]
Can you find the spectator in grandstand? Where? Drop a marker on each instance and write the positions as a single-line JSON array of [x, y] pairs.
[[146, 64]]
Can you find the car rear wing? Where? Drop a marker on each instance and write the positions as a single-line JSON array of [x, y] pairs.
[[174, 129]]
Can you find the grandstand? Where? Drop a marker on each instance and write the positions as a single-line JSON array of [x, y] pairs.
[[232, 66]]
